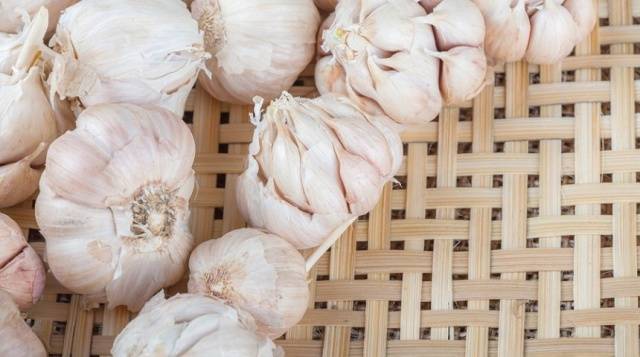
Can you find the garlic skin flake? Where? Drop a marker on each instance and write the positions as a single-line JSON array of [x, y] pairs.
[[507, 29], [18, 340], [11, 12], [258, 272], [314, 164], [22, 274], [190, 325], [114, 203], [257, 47], [456, 23], [141, 52], [553, 34]]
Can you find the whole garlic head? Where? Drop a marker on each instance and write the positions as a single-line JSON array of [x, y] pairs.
[[257, 272], [141, 52], [11, 12], [114, 203], [381, 47], [314, 164], [257, 47], [553, 34], [191, 325], [507, 29], [18, 340], [21, 272]]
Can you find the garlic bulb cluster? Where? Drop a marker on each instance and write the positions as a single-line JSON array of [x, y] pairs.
[[27, 120], [191, 325], [11, 12], [314, 164], [21, 272], [542, 31], [114, 203], [257, 47], [145, 52], [257, 272], [16, 336]]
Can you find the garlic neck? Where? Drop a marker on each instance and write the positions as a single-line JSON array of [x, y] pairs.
[[212, 24], [154, 211]]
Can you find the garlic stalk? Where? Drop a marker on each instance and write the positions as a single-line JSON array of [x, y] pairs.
[[257, 47], [191, 325], [257, 272], [585, 14], [21, 271], [507, 29], [18, 340], [464, 70], [140, 52], [456, 23], [11, 12], [314, 164], [381, 47], [113, 204], [553, 34]]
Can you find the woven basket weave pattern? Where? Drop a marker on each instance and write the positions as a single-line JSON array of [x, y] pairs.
[[512, 228]]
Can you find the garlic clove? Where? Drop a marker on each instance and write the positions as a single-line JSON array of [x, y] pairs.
[[18, 340], [585, 15], [18, 181], [285, 160], [330, 77], [507, 29], [361, 182], [321, 185], [463, 74], [388, 26], [456, 23], [552, 34]]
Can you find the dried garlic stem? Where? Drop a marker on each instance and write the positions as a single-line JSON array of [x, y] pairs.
[[30, 49], [319, 252]]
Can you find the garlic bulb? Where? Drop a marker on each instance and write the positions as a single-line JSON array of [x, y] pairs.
[[11, 12], [191, 325], [21, 272], [113, 204], [259, 273], [257, 47], [27, 121], [507, 29], [140, 52], [553, 34], [314, 164], [326, 5], [456, 23], [464, 70], [585, 15], [18, 340], [380, 47]]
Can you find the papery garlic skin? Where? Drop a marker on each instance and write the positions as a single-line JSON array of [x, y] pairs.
[[22, 274], [18, 340], [11, 12], [330, 77], [258, 272], [553, 34], [464, 70], [113, 204], [507, 29], [381, 49], [314, 164], [145, 52], [257, 47], [585, 14], [456, 23], [190, 325]]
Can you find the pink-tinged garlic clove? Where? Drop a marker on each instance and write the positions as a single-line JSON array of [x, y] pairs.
[[18, 340], [585, 14], [456, 23], [553, 34], [464, 72], [507, 30]]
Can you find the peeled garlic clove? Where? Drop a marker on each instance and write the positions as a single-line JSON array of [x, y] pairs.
[[191, 325], [100, 62], [18, 340], [463, 73], [585, 15], [256, 47], [330, 77], [326, 5], [507, 29], [456, 23], [18, 181], [114, 201], [257, 272], [552, 34]]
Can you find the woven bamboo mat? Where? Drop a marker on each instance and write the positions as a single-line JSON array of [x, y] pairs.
[[512, 231]]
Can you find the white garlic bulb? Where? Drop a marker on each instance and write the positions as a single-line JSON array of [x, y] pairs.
[[18, 340], [27, 121], [11, 12], [140, 52], [380, 47], [507, 29], [114, 203], [456, 23], [314, 164], [21, 271], [260, 273], [464, 70], [553, 34], [257, 47], [326, 5], [585, 15], [194, 326]]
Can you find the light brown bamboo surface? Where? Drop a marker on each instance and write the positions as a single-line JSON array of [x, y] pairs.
[[512, 230]]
